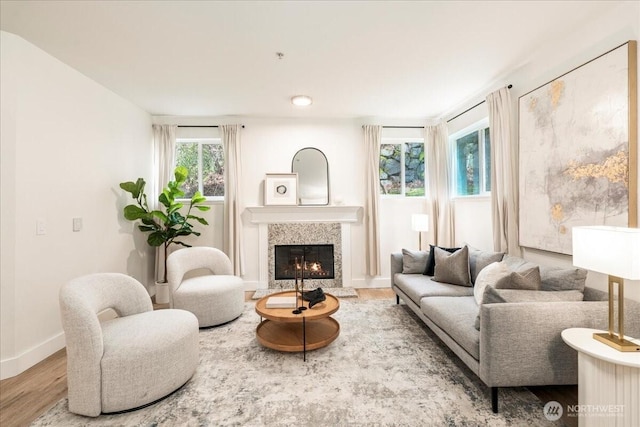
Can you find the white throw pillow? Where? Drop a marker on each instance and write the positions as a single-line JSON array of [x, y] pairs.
[[488, 276]]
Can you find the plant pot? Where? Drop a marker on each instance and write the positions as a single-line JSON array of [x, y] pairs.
[[162, 293]]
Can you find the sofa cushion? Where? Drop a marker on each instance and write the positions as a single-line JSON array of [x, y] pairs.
[[431, 260], [517, 295], [416, 286], [455, 316], [488, 276], [414, 262], [492, 296], [525, 279], [452, 267], [562, 279], [479, 259]]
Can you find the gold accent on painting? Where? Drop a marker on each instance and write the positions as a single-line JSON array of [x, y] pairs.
[[556, 89], [614, 168], [557, 212]]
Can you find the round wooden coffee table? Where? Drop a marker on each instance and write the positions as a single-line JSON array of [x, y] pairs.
[[283, 330]]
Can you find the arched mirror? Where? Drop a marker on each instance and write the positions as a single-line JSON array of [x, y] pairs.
[[313, 176]]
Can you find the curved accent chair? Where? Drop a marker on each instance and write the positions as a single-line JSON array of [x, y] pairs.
[[131, 360], [215, 298]]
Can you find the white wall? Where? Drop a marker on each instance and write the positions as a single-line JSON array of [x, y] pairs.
[[550, 61], [66, 144], [268, 146]]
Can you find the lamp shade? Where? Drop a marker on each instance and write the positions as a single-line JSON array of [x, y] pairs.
[[420, 222], [610, 250]]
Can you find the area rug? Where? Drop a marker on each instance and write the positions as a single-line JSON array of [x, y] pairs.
[[336, 292], [385, 369]]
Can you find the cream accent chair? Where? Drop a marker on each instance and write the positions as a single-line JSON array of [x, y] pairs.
[[215, 298], [131, 360]]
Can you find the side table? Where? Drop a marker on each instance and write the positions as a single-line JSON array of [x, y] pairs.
[[608, 381]]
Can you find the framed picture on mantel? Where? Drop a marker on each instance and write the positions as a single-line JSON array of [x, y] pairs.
[[281, 189]]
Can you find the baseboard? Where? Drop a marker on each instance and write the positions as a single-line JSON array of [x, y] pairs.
[[17, 365], [370, 282], [251, 285]]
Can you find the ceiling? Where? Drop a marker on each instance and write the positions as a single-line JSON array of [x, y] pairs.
[[355, 58]]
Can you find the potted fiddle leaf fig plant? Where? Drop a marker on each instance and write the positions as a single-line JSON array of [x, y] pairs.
[[167, 226]]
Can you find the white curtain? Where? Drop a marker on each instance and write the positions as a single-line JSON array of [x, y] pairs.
[[233, 243], [504, 169], [164, 147], [439, 171], [372, 136]]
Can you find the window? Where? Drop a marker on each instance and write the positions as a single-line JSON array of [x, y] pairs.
[[402, 168], [472, 160], [204, 158]]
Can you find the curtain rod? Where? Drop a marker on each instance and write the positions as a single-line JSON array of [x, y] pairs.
[[403, 127], [198, 126], [471, 108]]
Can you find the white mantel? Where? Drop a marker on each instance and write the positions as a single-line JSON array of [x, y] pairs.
[[265, 215], [284, 214]]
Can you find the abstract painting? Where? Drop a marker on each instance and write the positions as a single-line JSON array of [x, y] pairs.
[[574, 135]]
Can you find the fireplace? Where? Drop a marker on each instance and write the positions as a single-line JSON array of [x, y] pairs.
[[318, 261], [304, 234], [301, 225]]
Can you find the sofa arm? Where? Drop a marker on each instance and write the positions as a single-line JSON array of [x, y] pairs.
[[396, 265], [520, 343]]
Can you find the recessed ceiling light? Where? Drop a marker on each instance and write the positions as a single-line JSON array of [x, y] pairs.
[[301, 100]]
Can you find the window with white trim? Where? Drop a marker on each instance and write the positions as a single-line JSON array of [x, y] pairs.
[[402, 167], [471, 149], [204, 158]]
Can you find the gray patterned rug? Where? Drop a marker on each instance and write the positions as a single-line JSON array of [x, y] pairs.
[[385, 369]]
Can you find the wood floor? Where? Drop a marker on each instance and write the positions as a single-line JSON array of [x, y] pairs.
[[25, 397]]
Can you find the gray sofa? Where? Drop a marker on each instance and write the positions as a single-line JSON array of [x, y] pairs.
[[517, 343]]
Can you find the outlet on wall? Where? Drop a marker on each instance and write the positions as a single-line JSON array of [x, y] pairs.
[[77, 224], [41, 227]]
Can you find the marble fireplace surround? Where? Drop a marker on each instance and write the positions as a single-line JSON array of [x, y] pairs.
[[329, 218]]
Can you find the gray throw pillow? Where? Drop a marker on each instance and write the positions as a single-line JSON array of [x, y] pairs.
[[528, 279], [413, 262], [431, 260], [562, 279], [452, 268], [479, 259]]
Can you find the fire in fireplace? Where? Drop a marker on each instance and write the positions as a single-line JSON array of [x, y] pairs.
[[318, 260]]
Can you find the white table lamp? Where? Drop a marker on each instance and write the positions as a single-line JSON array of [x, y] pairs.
[[420, 223], [614, 251]]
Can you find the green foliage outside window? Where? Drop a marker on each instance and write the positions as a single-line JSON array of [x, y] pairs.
[[211, 178]]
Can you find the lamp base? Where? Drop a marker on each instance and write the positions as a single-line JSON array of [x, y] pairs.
[[619, 344]]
